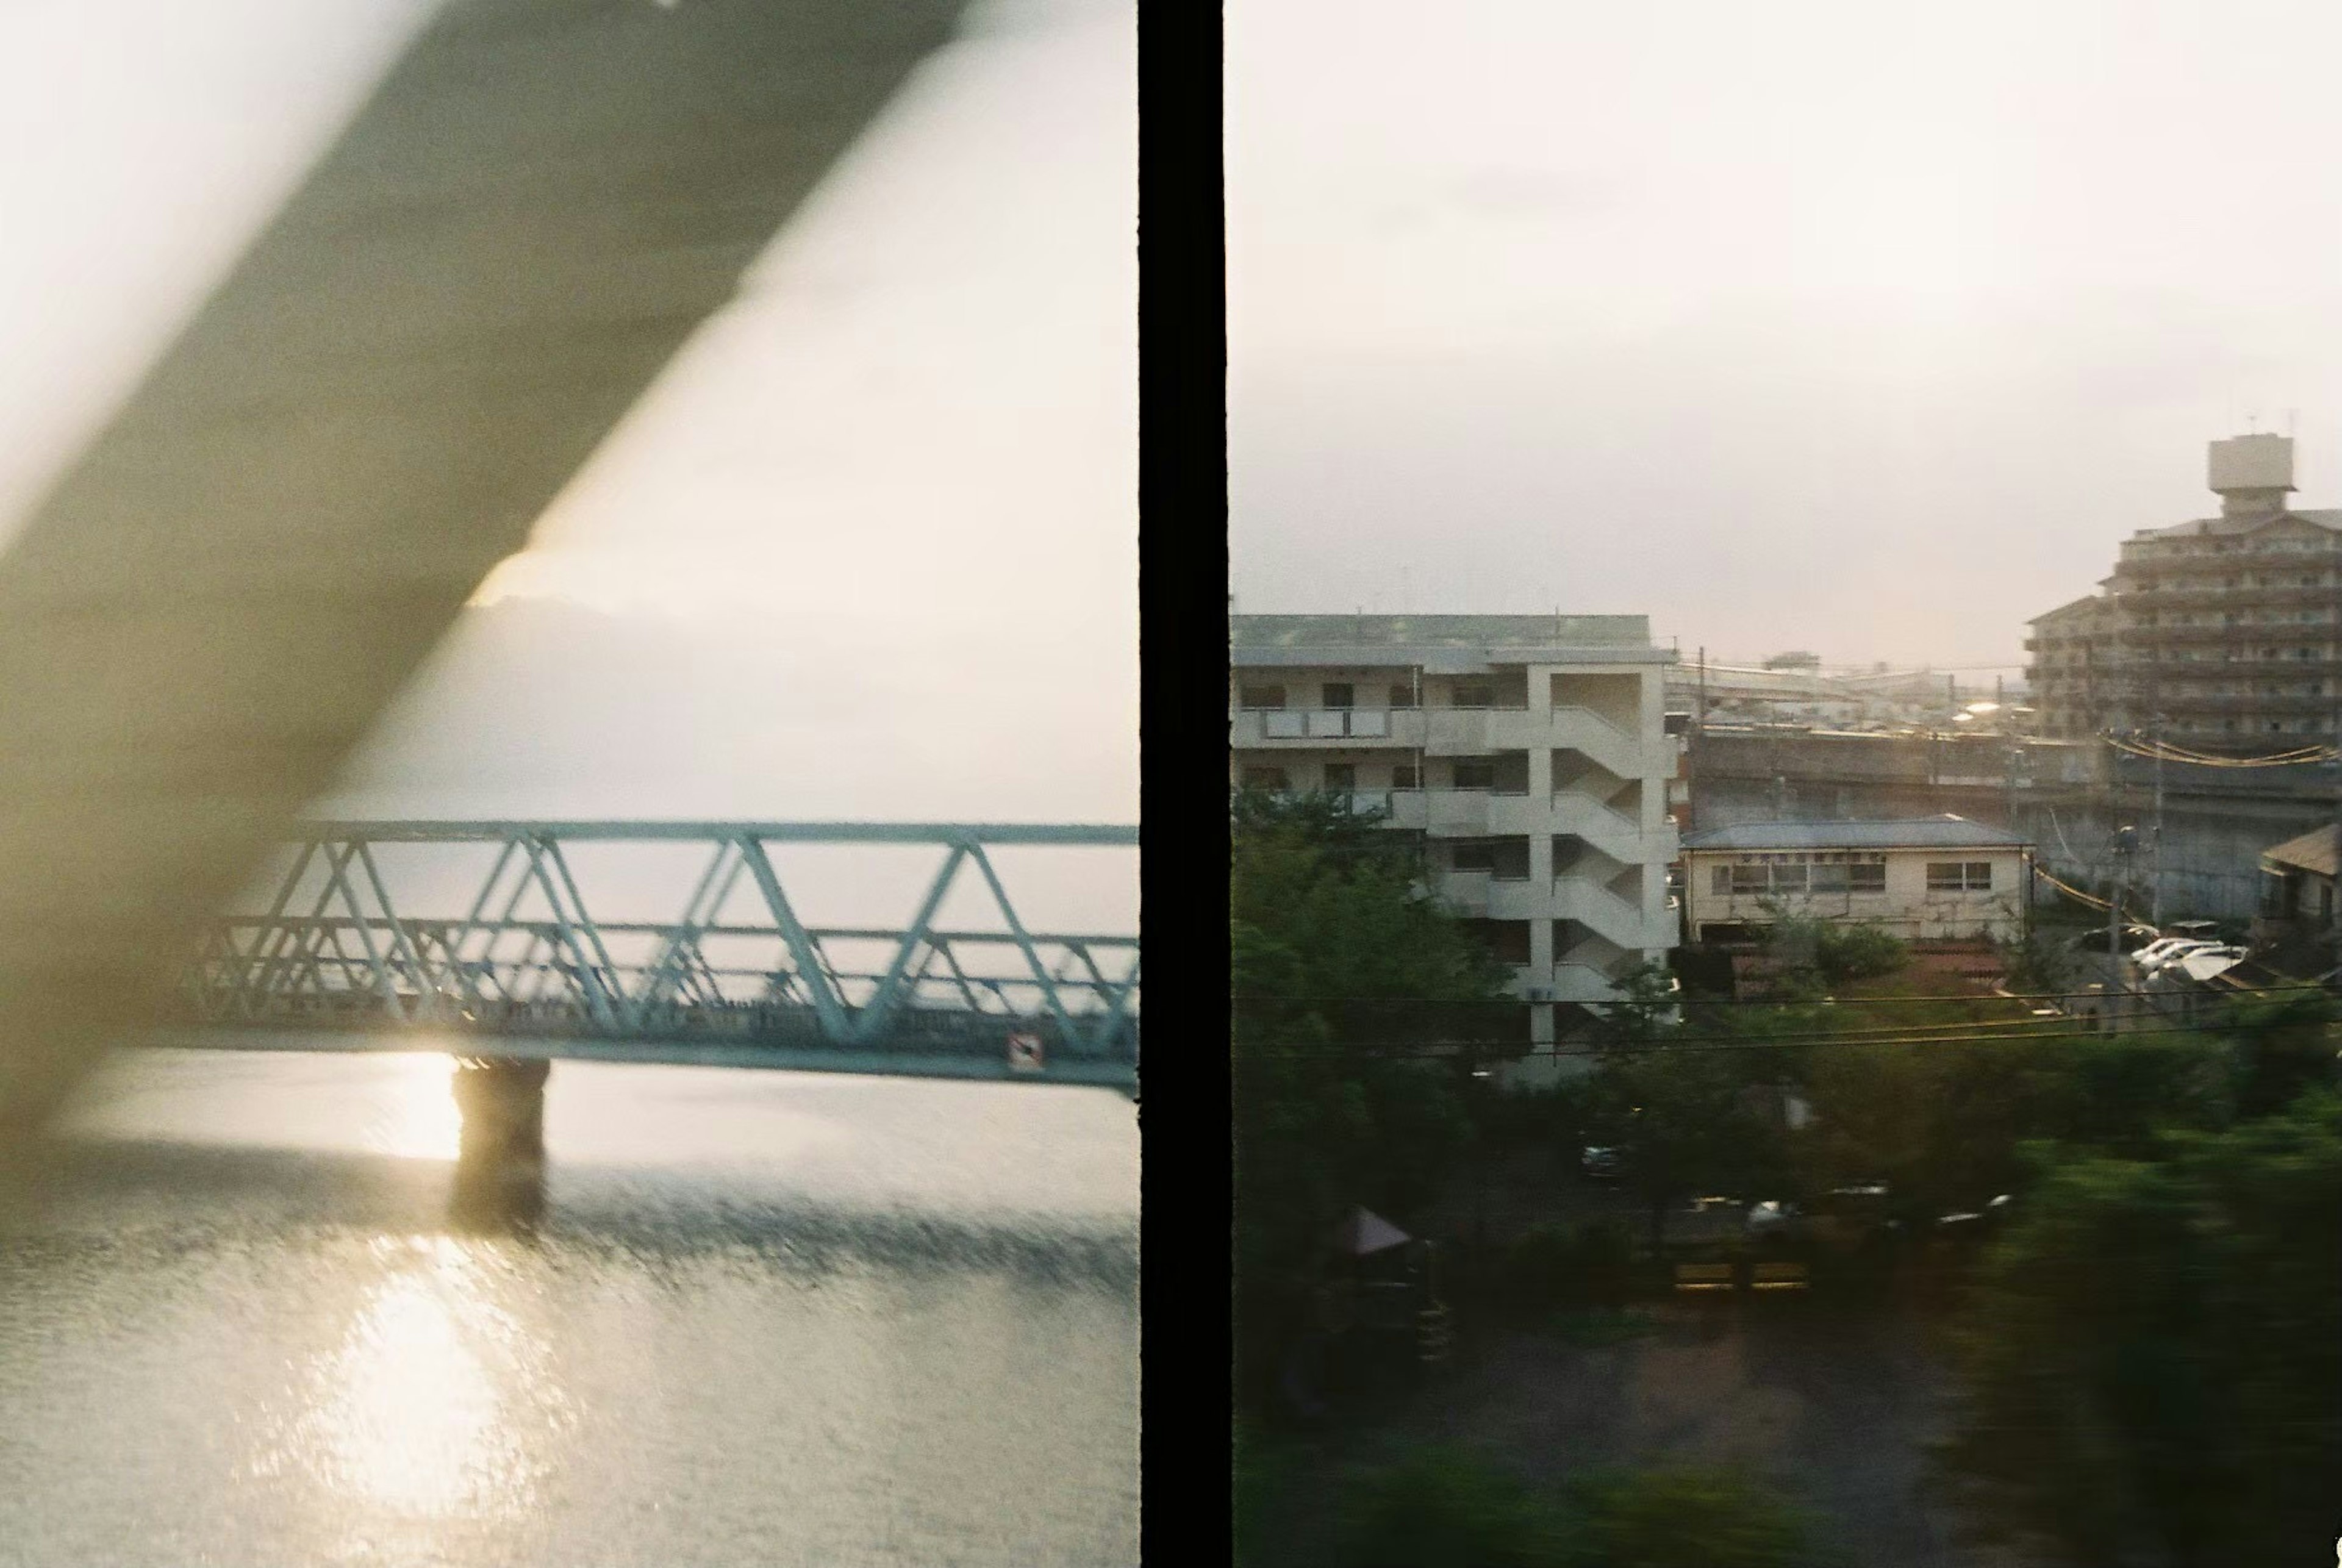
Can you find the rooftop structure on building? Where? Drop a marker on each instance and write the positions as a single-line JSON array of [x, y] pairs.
[[2223, 633], [1528, 755]]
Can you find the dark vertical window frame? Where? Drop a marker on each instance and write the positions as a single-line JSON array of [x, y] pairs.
[[1185, 1338]]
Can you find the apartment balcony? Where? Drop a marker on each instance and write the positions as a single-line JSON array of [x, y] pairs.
[[1457, 731], [1464, 892], [1252, 729], [1519, 814], [1442, 813]]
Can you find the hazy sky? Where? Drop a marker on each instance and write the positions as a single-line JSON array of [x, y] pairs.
[[1868, 329], [868, 549]]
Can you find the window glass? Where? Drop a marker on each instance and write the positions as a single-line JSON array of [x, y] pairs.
[[1263, 778], [1473, 695], [1870, 878], [1341, 775], [1980, 876], [1942, 875], [1829, 879], [1402, 694], [1406, 775], [1262, 698], [1789, 878], [1341, 695], [1474, 857], [1475, 772], [1722, 882], [1746, 879]]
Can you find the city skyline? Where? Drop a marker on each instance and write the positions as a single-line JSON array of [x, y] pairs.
[[1758, 322]]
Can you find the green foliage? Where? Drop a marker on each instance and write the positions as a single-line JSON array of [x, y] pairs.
[[1446, 1508], [2282, 1048], [1676, 1518], [1334, 955], [1645, 1005], [1814, 957], [2150, 1357], [2042, 965], [1689, 1122]]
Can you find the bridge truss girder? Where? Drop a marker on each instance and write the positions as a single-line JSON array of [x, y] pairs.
[[529, 956]]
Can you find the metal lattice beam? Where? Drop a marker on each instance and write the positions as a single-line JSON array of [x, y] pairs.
[[529, 963]]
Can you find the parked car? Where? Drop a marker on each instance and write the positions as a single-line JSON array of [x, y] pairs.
[[2133, 937], [2148, 957]]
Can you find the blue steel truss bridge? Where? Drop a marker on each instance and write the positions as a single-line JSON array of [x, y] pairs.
[[390, 935]]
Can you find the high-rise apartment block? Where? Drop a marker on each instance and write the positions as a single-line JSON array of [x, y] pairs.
[[2224, 633], [1528, 755]]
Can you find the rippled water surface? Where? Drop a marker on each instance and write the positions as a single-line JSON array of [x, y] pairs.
[[766, 1318]]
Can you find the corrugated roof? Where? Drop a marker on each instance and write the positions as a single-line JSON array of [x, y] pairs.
[[2315, 850], [1946, 832], [1440, 631]]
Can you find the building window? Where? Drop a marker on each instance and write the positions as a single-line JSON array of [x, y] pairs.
[[1341, 695], [1955, 876], [1789, 879], [1473, 695], [1267, 778], [1751, 879], [1262, 698], [1829, 879], [1341, 775], [1475, 772], [1402, 694], [1473, 857], [1406, 775], [1720, 883], [1871, 878]]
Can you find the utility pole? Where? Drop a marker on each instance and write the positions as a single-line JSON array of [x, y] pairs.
[[2154, 846], [2337, 895]]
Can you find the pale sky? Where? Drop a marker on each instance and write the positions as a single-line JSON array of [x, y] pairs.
[[867, 551], [1867, 329]]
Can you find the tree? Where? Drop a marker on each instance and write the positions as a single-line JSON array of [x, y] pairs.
[[2149, 1357], [1647, 1004], [1344, 979], [1687, 1121]]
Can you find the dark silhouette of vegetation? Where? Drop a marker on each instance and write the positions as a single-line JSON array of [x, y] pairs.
[[1446, 1508], [2150, 1358], [1339, 965]]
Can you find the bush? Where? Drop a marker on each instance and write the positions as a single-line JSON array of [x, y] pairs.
[[1446, 1508], [1443, 1508], [1676, 1518]]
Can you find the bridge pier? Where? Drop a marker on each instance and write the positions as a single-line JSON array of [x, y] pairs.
[[500, 1161]]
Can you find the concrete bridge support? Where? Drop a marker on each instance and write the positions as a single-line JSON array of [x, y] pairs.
[[500, 1163]]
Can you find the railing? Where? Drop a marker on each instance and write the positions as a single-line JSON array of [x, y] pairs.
[[337, 948]]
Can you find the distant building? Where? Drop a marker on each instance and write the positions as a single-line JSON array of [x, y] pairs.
[[1799, 660], [2297, 881], [1528, 754], [2224, 633], [1934, 878]]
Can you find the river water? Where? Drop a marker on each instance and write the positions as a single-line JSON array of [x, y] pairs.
[[764, 1318]]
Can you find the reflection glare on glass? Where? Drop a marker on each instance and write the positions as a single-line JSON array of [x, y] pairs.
[[414, 1114], [436, 1403]]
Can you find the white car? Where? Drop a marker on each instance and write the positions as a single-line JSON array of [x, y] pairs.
[[2155, 954]]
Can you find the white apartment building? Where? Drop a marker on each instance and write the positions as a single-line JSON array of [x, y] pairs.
[[1529, 753]]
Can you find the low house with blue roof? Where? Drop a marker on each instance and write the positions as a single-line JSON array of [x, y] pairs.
[[1924, 879]]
